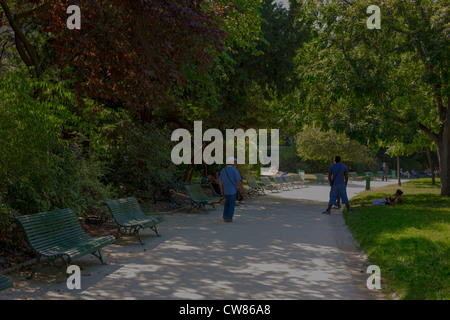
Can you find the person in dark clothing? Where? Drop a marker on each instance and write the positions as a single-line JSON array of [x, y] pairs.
[[338, 178], [385, 170]]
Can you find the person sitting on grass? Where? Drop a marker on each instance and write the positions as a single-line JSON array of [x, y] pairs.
[[391, 199]]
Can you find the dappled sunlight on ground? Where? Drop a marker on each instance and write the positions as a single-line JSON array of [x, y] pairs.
[[274, 249]]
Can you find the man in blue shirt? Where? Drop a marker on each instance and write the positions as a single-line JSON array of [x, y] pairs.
[[338, 177], [230, 182]]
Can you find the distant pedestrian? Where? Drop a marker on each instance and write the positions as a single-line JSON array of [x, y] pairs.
[[385, 170], [337, 205], [230, 182], [338, 178]]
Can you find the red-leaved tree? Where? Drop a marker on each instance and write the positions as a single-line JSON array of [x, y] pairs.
[[128, 53]]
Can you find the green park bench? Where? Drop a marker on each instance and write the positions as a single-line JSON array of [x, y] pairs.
[[321, 178], [371, 175], [198, 197], [292, 183], [299, 178], [5, 283], [255, 188], [268, 184], [354, 176], [58, 236], [296, 180], [130, 218], [214, 192], [280, 183]]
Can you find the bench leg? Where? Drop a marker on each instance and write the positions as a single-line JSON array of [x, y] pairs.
[[136, 234], [197, 205], [99, 256], [139, 238], [156, 230]]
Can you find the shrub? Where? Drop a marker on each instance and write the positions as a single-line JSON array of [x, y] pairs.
[[140, 162], [39, 170]]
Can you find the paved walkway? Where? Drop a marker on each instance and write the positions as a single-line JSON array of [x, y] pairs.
[[277, 247], [320, 192]]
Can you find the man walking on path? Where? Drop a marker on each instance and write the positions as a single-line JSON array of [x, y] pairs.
[[338, 178], [230, 182], [385, 169]]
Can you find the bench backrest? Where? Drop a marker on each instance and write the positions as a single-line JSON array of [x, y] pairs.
[[124, 210], [54, 228], [251, 181], [266, 181], [196, 192], [277, 180], [214, 191], [289, 179]]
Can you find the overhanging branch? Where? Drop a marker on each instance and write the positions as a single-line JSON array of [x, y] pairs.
[[421, 126], [26, 14], [21, 37]]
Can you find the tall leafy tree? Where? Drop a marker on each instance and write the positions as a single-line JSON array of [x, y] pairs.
[[323, 146], [127, 53], [379, 84]]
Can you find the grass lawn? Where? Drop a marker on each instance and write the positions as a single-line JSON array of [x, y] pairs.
[[409, 242]]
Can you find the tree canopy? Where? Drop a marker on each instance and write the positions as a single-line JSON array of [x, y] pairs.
[[377, 85], [110, 94]]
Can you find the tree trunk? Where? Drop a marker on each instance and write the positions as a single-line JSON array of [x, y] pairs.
[[430, 163], [442, 142], [398, 171], [444, 151], [186, 171], [444, 164]]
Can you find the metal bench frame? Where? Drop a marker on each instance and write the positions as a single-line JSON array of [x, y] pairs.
[[299, 179], [255, 187], [130, 218], [283, 185], [320, 177], [268, 184], [58, 237], [5, 283], [354, 176], [294, 182], [198, 198]]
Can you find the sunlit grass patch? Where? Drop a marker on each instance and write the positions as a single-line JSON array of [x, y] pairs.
[[409, 242]]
